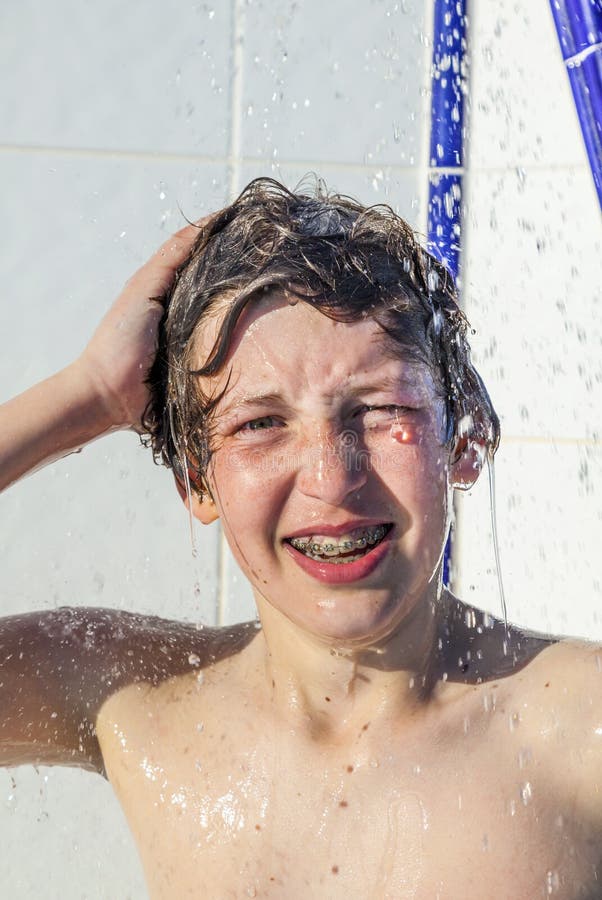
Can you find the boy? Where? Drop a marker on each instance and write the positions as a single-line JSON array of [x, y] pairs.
[[313, 389]]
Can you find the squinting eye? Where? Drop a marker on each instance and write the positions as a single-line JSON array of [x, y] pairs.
[[260, 424], [387, 412]]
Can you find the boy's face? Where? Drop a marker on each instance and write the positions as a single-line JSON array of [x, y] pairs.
[[329, 470]]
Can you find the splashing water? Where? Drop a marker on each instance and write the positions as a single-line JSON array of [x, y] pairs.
[[184, 464], [494, 532]]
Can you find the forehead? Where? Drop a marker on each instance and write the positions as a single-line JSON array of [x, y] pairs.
[[292, 344]]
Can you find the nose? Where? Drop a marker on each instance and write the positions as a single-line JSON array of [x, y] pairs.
[[333, 467]]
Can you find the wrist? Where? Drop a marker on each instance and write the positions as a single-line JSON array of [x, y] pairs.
[[89, 411], [98, 408]]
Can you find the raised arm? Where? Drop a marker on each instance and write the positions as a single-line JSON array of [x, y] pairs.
[[104, 389], [57, 667]]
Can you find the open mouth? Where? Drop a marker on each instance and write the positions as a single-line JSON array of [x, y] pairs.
[[347, 548]]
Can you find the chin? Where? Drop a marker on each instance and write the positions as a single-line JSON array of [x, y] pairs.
[[369, 623]]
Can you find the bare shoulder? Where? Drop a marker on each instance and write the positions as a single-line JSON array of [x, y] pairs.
[[159, 673], [559, 695], [59, 667], [150, 652], [565, 673]]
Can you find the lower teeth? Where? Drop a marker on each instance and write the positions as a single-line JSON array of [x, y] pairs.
[[335, 560]]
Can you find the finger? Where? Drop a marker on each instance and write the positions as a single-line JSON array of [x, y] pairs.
[[176, 248], [156, 276]]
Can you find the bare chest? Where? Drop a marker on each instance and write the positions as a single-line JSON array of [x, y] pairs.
[[249, 819]]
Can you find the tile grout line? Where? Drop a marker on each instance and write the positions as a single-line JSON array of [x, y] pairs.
[[456, 573], [424, 168], [234, 150], [233, 161], [151, 156]]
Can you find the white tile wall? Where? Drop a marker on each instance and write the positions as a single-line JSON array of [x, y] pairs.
[[117, 76], [532, 291], [98, 527], [549, 515], [114, 116], [523, 111], [313, 71], [534, 294]]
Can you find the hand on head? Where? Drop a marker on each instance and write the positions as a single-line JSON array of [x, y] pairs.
[[121, 351]]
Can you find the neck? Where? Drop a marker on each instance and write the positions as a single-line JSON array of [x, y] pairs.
[[331, 687]]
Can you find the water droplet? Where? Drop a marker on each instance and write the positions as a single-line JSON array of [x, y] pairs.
[[552, 881], [513, 721], [194, 659], [526, 793], [489, 702]]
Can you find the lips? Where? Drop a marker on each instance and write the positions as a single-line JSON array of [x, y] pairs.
[[328, 558]]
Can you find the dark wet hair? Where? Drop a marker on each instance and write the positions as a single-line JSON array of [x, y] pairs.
[[346, 260]]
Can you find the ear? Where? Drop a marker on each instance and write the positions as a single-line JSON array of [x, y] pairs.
[[466, 462], [203, 509]]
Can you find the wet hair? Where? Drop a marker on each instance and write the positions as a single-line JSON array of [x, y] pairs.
[[344, 259]]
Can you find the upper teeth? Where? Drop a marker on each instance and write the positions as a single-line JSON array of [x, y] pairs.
[[345, 545]]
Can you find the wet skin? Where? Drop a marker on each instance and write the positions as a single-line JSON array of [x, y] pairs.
[[485, 789], [374, 737], [323, 425]]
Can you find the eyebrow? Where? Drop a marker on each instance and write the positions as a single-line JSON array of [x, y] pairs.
[[255, 400], [388, 381], [269, 397]]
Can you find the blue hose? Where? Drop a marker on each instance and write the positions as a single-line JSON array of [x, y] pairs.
[[446, 159], [579, 27]]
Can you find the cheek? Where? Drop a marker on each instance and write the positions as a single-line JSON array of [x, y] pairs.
[[415, 453], [417, 476], [248, 491]]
